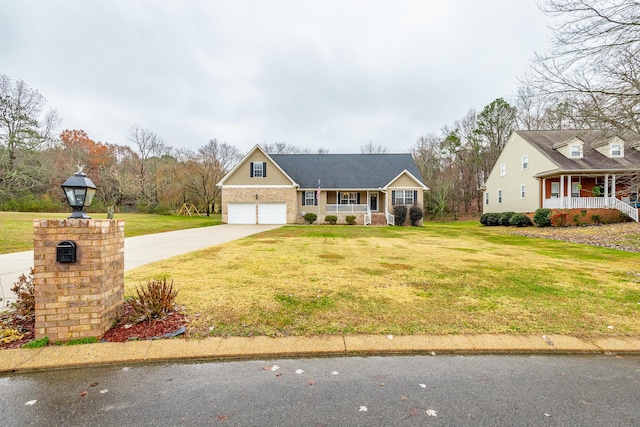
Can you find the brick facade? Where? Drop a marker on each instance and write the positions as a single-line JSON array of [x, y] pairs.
[[81, 299], [265, 195]]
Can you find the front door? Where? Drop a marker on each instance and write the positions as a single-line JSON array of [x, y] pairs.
[[373, 202]]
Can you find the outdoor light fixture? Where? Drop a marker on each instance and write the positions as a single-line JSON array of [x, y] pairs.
[[79, 191]]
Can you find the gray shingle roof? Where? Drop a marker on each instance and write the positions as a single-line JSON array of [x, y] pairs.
[[345, 171], [544, 140]]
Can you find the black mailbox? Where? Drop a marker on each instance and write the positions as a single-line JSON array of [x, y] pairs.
[[66, 251]]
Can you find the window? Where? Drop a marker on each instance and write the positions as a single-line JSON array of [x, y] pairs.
[[499, 197], [348, 198], [523, 191], [616, 150], [503, 169], [555, 190], [525, 162], [309, 199], [575, 151], [258, 169], [404, 197], [575, 189], [486, 197]]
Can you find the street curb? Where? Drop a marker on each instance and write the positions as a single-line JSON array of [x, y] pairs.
[[238, 348]]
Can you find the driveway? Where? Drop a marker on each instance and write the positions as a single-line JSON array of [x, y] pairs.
[[139, 250]]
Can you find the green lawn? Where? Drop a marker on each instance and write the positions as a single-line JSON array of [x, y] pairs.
[[17, 227], [440, 279]]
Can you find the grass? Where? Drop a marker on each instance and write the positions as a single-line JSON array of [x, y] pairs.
[[17, 227], [440, 279]]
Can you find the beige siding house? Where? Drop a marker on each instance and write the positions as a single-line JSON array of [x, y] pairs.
[[281, 188], [566, 169]]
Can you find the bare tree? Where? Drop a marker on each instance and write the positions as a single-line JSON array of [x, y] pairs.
[[371, 148], [593, 64], [212, 162], [284, 148], [149, 146]]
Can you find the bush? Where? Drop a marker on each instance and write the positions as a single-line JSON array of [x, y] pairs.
[[415, 215], [32, 203], [25, 305], [597, 219], [559, 219], [310, 217], [155, 300], [40, 342], [505, 217], [351, 219], [520, 220], [331, 219], [400, 214], [542, 217], [490, 219]]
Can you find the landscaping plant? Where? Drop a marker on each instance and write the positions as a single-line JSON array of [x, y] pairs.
[[542, 217], [415, 215], [25, 305], [331, 219], [155, 300], [351, 219], [310, 217], [400, 214]]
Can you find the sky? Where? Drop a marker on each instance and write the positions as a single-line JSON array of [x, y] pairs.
[[330, 74]]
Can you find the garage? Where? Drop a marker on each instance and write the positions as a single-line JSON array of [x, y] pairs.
[[242, 213], [272, 213]]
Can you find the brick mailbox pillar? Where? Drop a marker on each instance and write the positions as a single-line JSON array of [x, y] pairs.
[[82, 297]]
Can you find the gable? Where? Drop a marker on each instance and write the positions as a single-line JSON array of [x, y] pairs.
[[241, 175], [405, 180]]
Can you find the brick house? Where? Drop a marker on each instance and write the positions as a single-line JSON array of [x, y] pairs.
[[280, 188], [566, 169]]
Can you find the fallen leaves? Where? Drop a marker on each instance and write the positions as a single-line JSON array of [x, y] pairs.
[[30, 403], [432, 413]]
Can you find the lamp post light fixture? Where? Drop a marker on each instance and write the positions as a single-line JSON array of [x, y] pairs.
[[79, 191]]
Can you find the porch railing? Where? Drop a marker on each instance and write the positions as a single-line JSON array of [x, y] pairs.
[[591, 203], [367, 218], [391, 219], [347, 208]]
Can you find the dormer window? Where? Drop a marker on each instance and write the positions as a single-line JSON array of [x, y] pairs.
[[616, 150], [575, 151]]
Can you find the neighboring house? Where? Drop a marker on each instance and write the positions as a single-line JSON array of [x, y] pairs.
[[565, 169], [280, 188]]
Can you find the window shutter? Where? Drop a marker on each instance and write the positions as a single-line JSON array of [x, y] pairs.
[[264, 169], [415, 197], [393, 198], [358, 198], [304, 198], [315, 198], [251, 171]]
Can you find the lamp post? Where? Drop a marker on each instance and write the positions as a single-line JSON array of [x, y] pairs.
[[79, 191]]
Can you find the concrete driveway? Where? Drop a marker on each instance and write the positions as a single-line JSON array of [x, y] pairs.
[[138, 250]]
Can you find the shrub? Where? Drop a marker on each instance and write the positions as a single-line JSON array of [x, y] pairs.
[[25, 305], [351, 219], [331, 219], [483, 218], [154, 300], [597, 219], [310, 217], [505, 217], [559, 219], [491, 219], [542, 217], [415, 215], [400, 214], [520, 220]]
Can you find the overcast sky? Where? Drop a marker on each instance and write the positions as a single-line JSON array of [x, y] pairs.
[[331, 74]]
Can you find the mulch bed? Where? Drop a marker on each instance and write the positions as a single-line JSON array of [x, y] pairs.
[[124, 330]]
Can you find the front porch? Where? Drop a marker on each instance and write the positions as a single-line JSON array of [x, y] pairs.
[[569, 191]]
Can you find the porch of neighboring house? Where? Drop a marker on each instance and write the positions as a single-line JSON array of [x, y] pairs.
[[588, 192]]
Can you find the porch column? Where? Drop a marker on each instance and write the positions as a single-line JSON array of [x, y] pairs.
[[544, 191], [569, 190], [606, 190], [613, 185], [562, 191]]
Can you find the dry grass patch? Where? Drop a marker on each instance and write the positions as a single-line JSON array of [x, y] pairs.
[[440, 279]]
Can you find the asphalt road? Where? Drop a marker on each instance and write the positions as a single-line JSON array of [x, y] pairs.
[[350, 391]]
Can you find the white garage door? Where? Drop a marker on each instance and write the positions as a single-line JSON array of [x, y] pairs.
[[242, 213], [272, 213]]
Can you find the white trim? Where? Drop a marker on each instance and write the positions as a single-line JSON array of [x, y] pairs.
[[424, 187], [261, 186], [244, 159]]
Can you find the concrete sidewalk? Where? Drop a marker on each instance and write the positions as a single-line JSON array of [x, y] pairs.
[[235, 348], [138, 250]]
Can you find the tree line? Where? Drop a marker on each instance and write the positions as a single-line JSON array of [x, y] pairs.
[[589, 78]]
